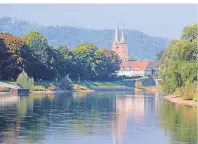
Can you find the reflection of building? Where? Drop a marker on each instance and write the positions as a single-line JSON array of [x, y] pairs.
[[127, 108]]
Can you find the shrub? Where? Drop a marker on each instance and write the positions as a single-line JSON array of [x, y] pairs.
[[188, 92], [195, 98], [79, 87], [24, 81], [38, 88], [66, 83], [138, 84], [51, 87]]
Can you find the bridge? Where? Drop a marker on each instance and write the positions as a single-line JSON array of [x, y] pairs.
[[155, 79]]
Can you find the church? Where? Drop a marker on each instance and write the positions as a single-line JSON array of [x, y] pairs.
[[129, 68]]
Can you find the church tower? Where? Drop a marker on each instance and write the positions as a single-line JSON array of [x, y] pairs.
[[120, 46]]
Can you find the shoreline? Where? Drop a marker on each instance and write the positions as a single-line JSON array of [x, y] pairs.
[[118, 88], [179, 100]]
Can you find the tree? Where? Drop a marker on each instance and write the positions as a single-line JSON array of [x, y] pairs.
[[85, 56], [44, 59], [28, 38], [24, 81], [179, 62], [190, 32], [159, 55], [109, 64], [11, 60]]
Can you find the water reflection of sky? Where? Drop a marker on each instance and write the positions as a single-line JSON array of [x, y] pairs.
[[83, 118]]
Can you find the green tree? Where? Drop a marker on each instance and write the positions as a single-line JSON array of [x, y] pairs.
[[28, 38], [190, 32], [86, 58], [66, 83], [24, 81], [179, 62]]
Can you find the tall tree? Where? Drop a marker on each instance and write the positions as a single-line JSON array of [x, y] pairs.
[[179, 61]]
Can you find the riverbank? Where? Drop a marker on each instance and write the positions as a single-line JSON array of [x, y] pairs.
[[88, 86], [179, 100], [152, 88]]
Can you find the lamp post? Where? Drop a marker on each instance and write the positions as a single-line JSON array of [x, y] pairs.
[[78, 77]]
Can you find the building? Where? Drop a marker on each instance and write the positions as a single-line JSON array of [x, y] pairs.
[[135, 68], [130, 68], [120, 46], [155, 69]]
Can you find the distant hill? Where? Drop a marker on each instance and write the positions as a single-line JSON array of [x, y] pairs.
[[141, 46]]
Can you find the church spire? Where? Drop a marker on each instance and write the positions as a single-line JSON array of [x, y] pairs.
[[116, 39], [123, 39]]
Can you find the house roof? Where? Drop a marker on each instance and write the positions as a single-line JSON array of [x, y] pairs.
[[134, 65]]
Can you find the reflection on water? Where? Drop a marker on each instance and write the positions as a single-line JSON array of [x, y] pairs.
[[98, 117]]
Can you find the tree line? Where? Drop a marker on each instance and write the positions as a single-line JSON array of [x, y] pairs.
[[179, 64], [138, 42], [41, 61]]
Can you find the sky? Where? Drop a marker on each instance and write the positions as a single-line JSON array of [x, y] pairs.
[[164, 20]]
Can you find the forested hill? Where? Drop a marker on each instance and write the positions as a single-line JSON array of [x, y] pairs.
[[141, 46]]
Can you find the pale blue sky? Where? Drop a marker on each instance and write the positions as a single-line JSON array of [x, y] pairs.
[[153, 19]]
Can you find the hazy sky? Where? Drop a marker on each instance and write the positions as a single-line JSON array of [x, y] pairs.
[[153, 19]]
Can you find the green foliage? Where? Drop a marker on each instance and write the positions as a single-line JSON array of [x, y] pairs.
[[38, 88], [79, 87], [66, 83], [195, 98], [189, 92], [179, 67], [138, 84], [32, 53], [24, 81], [190, 32], [93, 64], [107, 84], [31, 36]]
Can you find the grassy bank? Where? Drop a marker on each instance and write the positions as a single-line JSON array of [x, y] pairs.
[[53, 85], [106, 84], [187, 93], [152, 88]]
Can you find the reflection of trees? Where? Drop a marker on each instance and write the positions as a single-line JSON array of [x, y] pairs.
[[180, 122], [35, 114]]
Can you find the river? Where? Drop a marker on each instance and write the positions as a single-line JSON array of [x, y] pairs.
[[97, 117]]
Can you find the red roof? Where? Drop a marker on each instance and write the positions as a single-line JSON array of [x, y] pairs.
[[134, 65]]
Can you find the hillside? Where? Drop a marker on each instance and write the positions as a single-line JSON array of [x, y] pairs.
[[141, 46]]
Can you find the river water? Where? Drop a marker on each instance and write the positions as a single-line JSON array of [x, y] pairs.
[[97, 117]]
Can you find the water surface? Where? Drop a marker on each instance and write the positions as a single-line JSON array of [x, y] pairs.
[[98, 117]]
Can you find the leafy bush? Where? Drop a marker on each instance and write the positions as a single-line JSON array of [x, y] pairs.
[[138, 84], [195, 98], [188, 92], [24, 81], [38, 88], [51, 87], [65, 83], [79, 87]]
